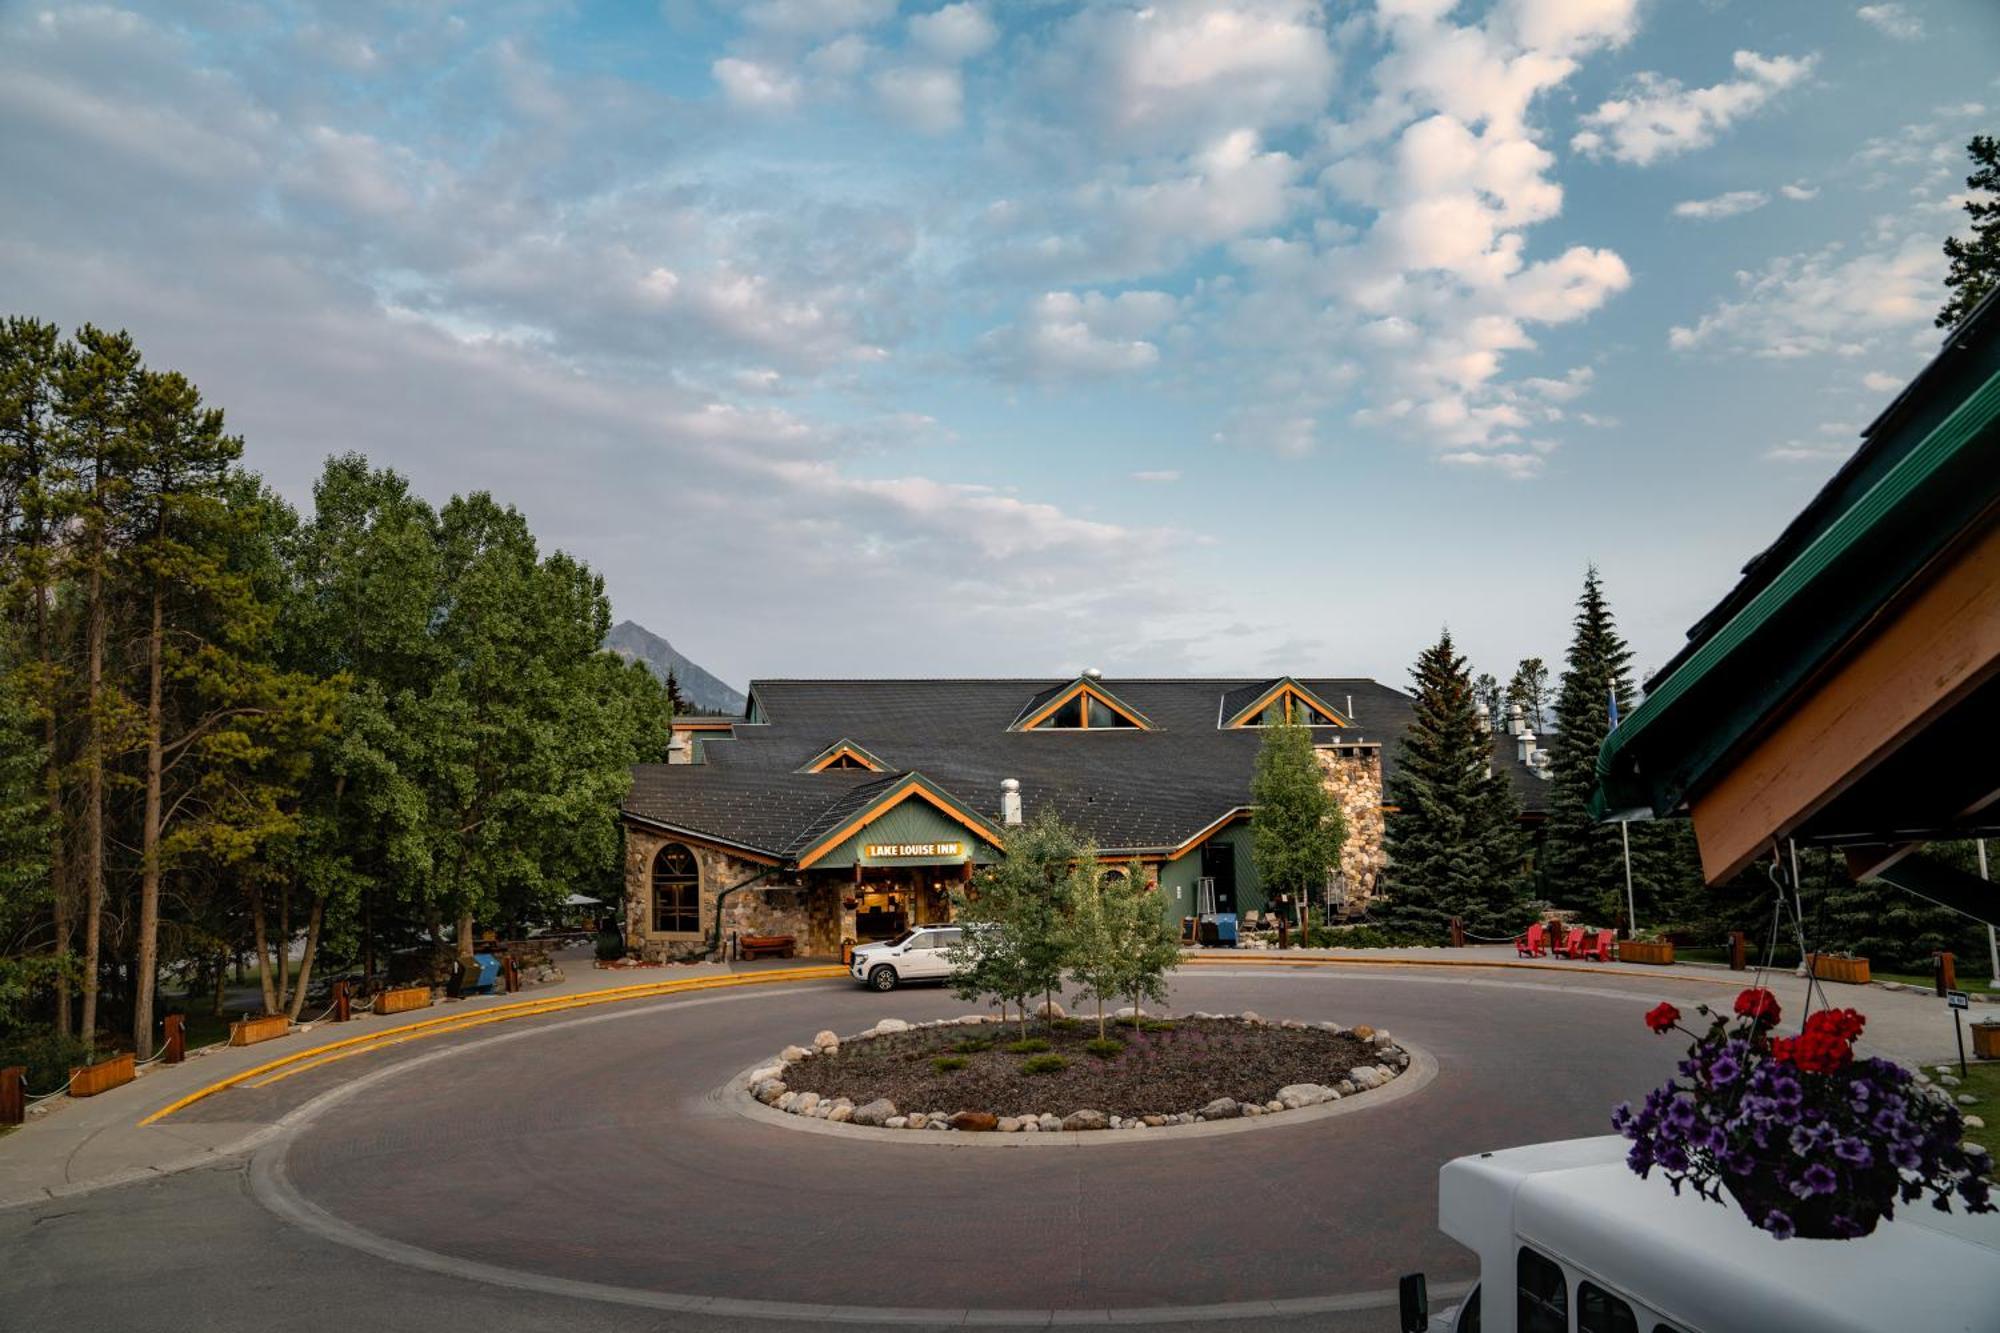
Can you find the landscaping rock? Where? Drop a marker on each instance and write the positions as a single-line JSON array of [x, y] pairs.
[[975, 1122], [1129, 1012], [826, 1040], [787, 1101], [1077, 1121], [840, 1115], [1222, 1108], [1363, 1032], [791, 1053], [890, 1025], [877, 1112], [1382, 1041], [1155, 1121], [759, 1075], [769, 1091], [938, 1123], [1048, 1122], [916, 1119], [896, 1122], [1365, 1077], [805, 1104], [1949, 1080], [1050, 1009], [1335, 1028], [1251, 1109], [1345, 1087], [824, 1111], [1967, 1099], [1008, 1124], [1251, 1016], [1973, 1122], [1296, 1095]]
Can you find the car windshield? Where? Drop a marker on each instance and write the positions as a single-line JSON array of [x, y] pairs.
[[903, 938]]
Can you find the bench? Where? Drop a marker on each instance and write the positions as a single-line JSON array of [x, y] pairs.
[[755, 946]]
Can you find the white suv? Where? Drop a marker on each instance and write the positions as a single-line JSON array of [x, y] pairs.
[[917, 954]]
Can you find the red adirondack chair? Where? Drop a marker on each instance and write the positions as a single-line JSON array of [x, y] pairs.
[[1599, 946], [1572, 945], [1533, 944]]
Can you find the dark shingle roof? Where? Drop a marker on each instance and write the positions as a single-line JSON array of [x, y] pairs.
[[1126, 788]]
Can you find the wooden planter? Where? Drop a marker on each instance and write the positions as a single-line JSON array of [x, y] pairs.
[[1657, 952], [93, 1079], [250, 1031], [405, 997], [1853, 971], [1986, 1040]]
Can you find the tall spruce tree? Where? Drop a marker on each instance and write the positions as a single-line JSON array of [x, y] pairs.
[[1454, 844], [1583, 860], [1975, 263]]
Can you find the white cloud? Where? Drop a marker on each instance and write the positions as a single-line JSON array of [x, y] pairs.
[[1893, 19], [755, 85], [928, 98], [1065, 335], [1661, 118], [1805, 451], [1272, 431], [1822, 304], [1513, 463], [816, 18], [1725, 205], [954, 33], [1158, 476], [1877, 382], [1799, 191]]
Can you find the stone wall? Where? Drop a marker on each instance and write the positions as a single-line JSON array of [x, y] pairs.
[[778, 906], [1355, 780]]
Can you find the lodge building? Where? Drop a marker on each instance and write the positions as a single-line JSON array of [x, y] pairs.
[[846, 810]]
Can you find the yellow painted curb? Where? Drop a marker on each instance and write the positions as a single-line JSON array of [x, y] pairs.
[[299, 1062], [1502, 965]]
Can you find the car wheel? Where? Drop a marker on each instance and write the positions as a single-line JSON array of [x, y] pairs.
[[883, 978]]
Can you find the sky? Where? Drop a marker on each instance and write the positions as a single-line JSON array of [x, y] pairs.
[[857, 338]]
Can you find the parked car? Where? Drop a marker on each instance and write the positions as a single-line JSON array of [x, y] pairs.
[[918, 954], [1569, 1239]]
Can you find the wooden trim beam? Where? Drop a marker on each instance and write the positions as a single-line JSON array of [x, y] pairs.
[[874, 811], [1924, 654]]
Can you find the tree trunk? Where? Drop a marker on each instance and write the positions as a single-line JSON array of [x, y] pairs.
[[149, 846], [221, 978], [52, 787], [1101, 1034], [260, 938], [284, 946], [93, 791], [313, 919], [465, 940]]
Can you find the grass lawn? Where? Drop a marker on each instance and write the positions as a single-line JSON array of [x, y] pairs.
[[1971, 973], [1982, 1080]]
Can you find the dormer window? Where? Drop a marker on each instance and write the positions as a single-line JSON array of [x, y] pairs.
[[843, 755], [1277, 703], [1082, 705]]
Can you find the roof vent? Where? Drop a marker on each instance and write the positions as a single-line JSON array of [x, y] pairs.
[[1010, 802], [1525, 742], [1093, 673]]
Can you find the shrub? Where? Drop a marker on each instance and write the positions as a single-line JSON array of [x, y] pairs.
[[610, 946], [973, 1045], [1044, 1064], [1156, 1025], [48, 1058], [1032, 1046], [1365, 937], [945, 1064], [1104, 1047], [1066, 1024]]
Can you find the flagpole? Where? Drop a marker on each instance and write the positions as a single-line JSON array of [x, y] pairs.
[[1624, 829], [1992, 937]]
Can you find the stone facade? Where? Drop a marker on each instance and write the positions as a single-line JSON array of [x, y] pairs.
[[777, 906], [1355, 780]]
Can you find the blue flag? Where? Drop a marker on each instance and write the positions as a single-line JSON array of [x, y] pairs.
[[1614, 708]]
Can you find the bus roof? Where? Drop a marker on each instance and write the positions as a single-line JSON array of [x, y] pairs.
[[1703, 1265]]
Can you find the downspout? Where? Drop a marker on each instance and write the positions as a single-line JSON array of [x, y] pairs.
[[715, 931]]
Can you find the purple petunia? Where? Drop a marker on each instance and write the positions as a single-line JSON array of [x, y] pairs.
[[1853, 1152], [1779, 1225]]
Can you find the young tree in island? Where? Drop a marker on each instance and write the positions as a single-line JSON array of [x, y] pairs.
[[986, 960], [1152, 946], [1530, 689], [1021, 904], [1452, 835], [1975, 263], [1096, 934], [1298, 830]]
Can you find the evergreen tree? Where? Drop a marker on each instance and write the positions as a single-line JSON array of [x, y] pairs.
[[1530, 689], [1583, 860], [24, 850], [1298, 829], [1452, 835], [1975, 264]]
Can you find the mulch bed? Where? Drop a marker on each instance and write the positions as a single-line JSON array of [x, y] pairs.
[[1161, 1072]]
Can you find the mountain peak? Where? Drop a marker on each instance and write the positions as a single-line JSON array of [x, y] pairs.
[[631, 640]]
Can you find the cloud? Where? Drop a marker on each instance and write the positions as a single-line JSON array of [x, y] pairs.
[[1064, 335], [1799, 191], [1822, 303], [1511, 463], [1877, 382], [1158, 476], [816, 18], [1893, 20], [928, 98], [755, 85], [1723, 205], [1803, 451], [1661, 118], [955, 33], [1271, 430]]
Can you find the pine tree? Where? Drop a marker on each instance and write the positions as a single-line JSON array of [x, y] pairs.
[[1530, 689], [1298, 830], [1486, 693], [1453, 839], [1583, 860], [1975, 264]]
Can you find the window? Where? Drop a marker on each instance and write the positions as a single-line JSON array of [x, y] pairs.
[[1068, 717], [1080, 707], [676, 892], [1541, 1294], [1468, 1314], [846, 761], [1598, 1311]]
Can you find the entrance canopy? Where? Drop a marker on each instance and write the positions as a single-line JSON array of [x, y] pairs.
[[906, 820], [1847, 692]]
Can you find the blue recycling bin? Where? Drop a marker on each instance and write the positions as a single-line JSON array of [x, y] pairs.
[[483, 981], [1225, 929]]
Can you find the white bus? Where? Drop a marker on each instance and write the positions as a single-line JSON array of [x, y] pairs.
[[1571, 1241]]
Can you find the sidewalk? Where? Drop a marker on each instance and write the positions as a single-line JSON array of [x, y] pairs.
[[70, 1145]]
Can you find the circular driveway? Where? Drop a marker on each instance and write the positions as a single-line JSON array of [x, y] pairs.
[[599, 1152]]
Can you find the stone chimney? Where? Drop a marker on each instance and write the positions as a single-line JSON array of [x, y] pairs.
[[1010, 802], [678, 749]]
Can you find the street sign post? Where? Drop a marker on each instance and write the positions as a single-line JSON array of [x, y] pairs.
[[1959, 1002]]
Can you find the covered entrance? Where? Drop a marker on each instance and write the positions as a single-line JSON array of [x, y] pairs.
[[890, 899]]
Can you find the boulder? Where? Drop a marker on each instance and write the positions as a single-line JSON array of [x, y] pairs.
[[1050, 1009], [1252, 1109], [917, 1119], [1031, 1126], [1383, 1041], [891, 1025], [877, 1112], [764, 1072], [1274, 1105], [1077, 1121], [1154, 1121], [791, 1053], [1118, 1122], [769, 1091], [1251, 1016], [938, 1122], [840, 1115], [1973, 1122], [1295, 1095], [787, 1101], [1362, 1032], [1008, 1124], [1222, 1108], [805, 1104], [826, 1040], [1048, 1122], [896, 1122], [1967, 1099], [1365, 1077], [1949, 1080], [1345, 1087], [1129, 1012], [1335, 1028]]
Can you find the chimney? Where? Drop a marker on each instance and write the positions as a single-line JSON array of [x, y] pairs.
[[1350, 708], [1516, 724], [1485, 718], [1525, 742], [1010, 802], [678, 749]]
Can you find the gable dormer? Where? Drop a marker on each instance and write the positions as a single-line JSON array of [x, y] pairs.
[[1085, 704], [843, 755], [1277, 701]]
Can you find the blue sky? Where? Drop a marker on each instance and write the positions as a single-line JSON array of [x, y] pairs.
[[855, 338]]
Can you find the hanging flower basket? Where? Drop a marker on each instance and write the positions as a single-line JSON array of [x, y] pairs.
[[1808, 1140]]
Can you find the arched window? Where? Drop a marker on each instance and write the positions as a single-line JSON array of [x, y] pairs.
[[676, 892]]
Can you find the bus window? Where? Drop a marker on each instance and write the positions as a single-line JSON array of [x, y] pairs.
[[1541, 1294], [1598, 1311]]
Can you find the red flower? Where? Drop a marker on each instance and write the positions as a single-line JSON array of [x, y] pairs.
[[1662, 1017], [1826, 1045], [1759, 1005]]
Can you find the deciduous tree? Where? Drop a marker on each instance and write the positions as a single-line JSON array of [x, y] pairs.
[[1297, 830]]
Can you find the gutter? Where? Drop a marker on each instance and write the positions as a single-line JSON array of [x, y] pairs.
[[715, 931]]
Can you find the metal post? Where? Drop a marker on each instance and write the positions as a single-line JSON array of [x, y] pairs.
[[1992, 937], [1631, 906], [1958, 1026]]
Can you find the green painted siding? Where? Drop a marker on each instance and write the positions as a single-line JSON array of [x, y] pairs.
[[915, 820], [1180, 875]]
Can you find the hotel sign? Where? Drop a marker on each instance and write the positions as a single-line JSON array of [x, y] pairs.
[[909, 850]]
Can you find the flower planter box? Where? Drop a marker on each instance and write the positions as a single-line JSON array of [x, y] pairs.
[[90, 1080], [250, 1031], [1657, 952], [1853, 971], [405, 997], [1986, 1040]]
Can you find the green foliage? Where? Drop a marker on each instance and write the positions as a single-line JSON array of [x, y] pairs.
[[1027, 1046], [1104, 1047], [1367, 937], [47, 1056], [1044, 1064], [1530, 689], [1453, 836], [1298, 830], [973, 1045], [945, 1064], [1975, 263], [1014, 943], [610, 946]]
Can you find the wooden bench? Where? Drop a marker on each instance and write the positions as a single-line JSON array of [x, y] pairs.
[[755, 946]]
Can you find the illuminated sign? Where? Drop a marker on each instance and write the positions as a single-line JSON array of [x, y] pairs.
[[905, 850]]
